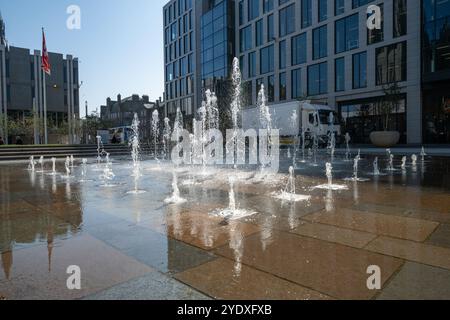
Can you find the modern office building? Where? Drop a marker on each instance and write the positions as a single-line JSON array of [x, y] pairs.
[[21, 89], [199, 49], [322, 50]]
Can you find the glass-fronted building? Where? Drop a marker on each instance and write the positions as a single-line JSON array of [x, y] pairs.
[[322, 50], [436, 70]]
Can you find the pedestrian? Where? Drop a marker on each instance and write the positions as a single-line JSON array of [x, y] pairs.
[[1, 141]]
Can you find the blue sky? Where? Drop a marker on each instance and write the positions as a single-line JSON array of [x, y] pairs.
[[119, 45]]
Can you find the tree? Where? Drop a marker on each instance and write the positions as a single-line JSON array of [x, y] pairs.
[[389, 103]]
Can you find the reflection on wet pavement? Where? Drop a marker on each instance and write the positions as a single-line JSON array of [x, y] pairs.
[[136, 247]]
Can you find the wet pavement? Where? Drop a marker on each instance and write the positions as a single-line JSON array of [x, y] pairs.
[[136, 247]]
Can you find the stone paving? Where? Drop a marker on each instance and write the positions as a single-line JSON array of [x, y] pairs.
[[136, 247]]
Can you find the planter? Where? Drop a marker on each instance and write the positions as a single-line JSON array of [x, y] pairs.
[[385, 139]]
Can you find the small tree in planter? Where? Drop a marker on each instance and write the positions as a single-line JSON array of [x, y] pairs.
[[385, 107]]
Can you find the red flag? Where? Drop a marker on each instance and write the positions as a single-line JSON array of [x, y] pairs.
[[45, 59]]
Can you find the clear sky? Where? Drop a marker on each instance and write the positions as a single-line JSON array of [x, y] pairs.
[[119, 45]]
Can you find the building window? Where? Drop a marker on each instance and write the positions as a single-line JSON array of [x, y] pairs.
[[267, 5], [339, 72], [323, 10], [339, 7], [241, 12], [400, 24], [298, 47], [271, 88], [296, 78], [287, 20], [253, 9], [436, 39], [376, 35], [259, 82], [282, 86], [306, 13], [347, 34], [266, 59], [270, 28], [320, 42], [317, 79], [282, 57], [259, 32], [246, 38], [360, 70], [359, 3], [391, 63], [251, 64]]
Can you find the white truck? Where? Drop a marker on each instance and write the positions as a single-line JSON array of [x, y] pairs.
[[293, 118]]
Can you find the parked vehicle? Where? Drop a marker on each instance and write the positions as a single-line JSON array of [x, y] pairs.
[[311, 118]]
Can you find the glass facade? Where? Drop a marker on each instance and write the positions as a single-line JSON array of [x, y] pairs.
[[362, 117], [436, 71], [376, 35], [320, 42], [282, 55], [400, 15], [323, 10], [299, 48], [178, 56], [306, 13], [390, 63], [267, 60], [282, 86], [317, 79], [296, 83], [339, 7], [347, 34], [360, 70], [436, 35], [215, 35], [339, 74], [287, 20]]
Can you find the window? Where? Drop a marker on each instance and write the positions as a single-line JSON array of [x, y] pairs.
[[376, 35], [246, 38], [241, 12], [296, 78], [347, 34], [400, 17], [267, 5], [259, 82], [339, 7], [306, 13], [271, 88], [436, 39], [252, 64], [320, 42], [323, 10], [317, 79], [282, 86], [259, 33], [270, 28], [359, 3], [253, 9], [339, 72], [298, 47], [360, 70], [266, 59], [287, 20], [391, 63], [282, 57]]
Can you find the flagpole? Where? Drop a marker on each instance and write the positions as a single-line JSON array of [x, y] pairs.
[[45, 108], [45, 103]]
